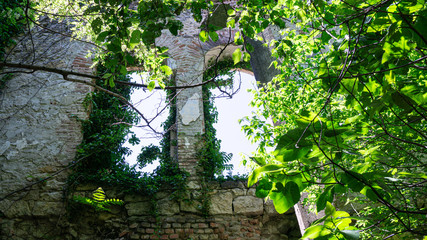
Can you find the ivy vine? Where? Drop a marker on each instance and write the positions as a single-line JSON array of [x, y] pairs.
[[103, 142], [12, 23]]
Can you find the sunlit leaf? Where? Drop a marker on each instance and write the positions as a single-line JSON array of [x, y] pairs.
[[203, 36], [237, 56]]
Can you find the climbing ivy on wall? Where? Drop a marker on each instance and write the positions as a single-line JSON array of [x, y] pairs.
[[12, 23], [211, 159], [105, 132]]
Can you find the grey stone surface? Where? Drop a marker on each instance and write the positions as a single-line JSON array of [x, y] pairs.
[[248, 205], [39, 132], [221, 203], [167, 207], [138, 208]]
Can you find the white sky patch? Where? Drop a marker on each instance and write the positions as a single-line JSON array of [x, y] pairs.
[[228, 130], [233, 140], [149, 104]]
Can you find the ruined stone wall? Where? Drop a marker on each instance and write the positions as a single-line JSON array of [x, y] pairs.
[[39, 132], [234, 213]]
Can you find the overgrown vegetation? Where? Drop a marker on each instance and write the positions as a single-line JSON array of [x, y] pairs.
[[104, 134], [12, 23], [98, 201], [212, 161], [351, 100], [352, 104]]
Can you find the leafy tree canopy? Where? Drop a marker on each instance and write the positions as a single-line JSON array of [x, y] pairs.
[[349, 107]]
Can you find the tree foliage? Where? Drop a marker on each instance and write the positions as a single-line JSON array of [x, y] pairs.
[[349, 107], [351, 101]]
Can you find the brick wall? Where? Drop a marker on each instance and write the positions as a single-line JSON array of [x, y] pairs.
[[235, 213]]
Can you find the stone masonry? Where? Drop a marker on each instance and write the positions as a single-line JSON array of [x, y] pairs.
[[40, 129]]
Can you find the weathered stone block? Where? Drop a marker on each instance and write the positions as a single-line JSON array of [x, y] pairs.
[[17, 209], [167, 207], [138, 208], [251, 192], [48, 208], [189, 206], [248, 205], [221, 203], [135, 198]]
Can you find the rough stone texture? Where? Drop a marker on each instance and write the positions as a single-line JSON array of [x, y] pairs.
[[221, 203], [248, 205], [231, 217], [39, 132]]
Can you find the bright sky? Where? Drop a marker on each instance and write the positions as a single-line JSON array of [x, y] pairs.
[[233, 140]]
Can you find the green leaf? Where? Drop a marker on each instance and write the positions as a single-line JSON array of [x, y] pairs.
[[151, 85], [231, 23], [352, 182], [249, 47], [368, 192], [166, 69], [101, 37], [330, 210], [231, 12], [285, 197], [238, 39], [97, 25], [246, 57], [291, 138], [326, 196], [315, 231], [123, 70], [111, 82], [291, 153], [135, 37], [213, 35], [237, 56], [148, 36], [253, 178], [107, 75], [174, 27], [203, 36], [263, 189], [351, 234]]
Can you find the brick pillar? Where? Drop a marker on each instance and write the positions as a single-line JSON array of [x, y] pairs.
[[187, 61]]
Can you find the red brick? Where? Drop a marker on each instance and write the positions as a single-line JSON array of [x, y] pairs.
[[203, 225], [169, 230], [173, 236], [254, 221], [149, 230]]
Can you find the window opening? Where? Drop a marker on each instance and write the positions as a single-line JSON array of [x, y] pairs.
[[229, 131], [152, 105]]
